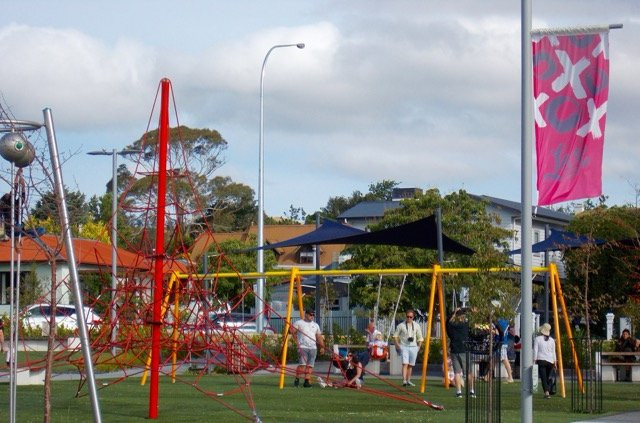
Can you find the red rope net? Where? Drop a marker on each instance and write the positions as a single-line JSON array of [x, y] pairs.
[[201, 332]]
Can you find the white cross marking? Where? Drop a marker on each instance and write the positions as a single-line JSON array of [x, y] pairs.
[[600, 48], [593, 126], [539, 101], [571, 74]]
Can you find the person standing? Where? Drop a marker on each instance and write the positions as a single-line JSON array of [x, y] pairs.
[[408, 338], [544, 355], [504, 348], [309, 339], [458, 332]]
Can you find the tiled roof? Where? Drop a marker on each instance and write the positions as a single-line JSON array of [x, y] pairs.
[[87, 252]]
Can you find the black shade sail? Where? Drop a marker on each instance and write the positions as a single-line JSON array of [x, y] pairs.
[[328, 231], [560, 240], [422, 233]]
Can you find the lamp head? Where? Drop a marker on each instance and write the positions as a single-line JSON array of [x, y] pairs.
[[16, 148], [300, 45]]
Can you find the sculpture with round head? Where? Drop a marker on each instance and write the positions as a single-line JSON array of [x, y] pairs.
[[16, 148]]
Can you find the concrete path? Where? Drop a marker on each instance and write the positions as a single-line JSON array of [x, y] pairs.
[[632, 417]]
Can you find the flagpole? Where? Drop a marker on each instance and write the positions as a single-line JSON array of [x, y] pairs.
[[526, 303]]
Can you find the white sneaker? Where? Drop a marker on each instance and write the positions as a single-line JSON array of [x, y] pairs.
[[409, 383], [322, 383]]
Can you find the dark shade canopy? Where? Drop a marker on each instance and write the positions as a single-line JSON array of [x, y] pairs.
[[419, 234], [560, 240], [329, 230]]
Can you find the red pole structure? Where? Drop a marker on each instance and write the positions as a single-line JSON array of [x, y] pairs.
[[163, 140]]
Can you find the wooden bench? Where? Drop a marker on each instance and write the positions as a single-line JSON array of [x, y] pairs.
[[609, 366]]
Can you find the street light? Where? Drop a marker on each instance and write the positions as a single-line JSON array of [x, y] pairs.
[[114, 228], [260, 260]]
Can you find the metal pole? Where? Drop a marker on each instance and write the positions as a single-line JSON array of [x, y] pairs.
[[317, 260], [526, 329], [260, 260], [13, 314], [114, 236], [71, 260], [547, 232], [114, 251], [439, 229], [440, 249]]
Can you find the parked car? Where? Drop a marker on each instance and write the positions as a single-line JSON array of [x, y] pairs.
[[37, 315], [239, 322]]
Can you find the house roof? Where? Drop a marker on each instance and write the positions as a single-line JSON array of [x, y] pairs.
[[369, 209], [86, 251], [540, 212], [287, 256]]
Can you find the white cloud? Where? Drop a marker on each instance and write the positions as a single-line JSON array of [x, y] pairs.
[[423, 92], [85, 82]]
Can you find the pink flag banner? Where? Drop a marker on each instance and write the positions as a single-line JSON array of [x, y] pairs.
[[570, 88]]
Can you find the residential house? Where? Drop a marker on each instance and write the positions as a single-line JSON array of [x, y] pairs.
[[34, 254]]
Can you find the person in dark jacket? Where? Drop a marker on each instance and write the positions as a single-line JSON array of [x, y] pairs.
[[458, 331], [625, 344]]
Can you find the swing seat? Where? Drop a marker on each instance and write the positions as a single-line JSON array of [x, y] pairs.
[[379, 353]]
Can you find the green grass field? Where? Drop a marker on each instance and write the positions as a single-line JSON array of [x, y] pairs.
[[128, 402]]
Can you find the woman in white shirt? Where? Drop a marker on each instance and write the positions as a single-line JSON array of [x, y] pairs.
[[544, 355]]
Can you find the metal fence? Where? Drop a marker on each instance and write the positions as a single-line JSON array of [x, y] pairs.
[[328, 324], [342, 323], [483, 404], [586, 386]]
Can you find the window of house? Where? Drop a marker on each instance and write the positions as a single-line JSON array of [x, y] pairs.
[[5, 286], [306, 254], [536, 237]]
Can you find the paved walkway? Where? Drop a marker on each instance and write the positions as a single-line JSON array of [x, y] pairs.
[[632, 417]]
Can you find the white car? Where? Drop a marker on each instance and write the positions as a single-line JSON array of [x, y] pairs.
[[39, 315], [237, 322]]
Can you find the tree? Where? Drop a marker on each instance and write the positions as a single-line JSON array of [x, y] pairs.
[[193, 156], [77, 208], [231, 205], [464, 219], [602, 279], [295, 216]]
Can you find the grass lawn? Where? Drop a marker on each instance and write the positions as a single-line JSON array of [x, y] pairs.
[[128, 402]]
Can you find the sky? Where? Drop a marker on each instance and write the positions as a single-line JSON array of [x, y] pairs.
[[425, 93]]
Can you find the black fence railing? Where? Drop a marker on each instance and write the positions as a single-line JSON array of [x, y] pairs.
[[482, 388], [586, 386]]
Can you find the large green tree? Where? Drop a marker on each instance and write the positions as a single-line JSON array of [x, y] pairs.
[[464, 219], [231, 205]]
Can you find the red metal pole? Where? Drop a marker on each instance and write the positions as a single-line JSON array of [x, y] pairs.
[[163, 139]]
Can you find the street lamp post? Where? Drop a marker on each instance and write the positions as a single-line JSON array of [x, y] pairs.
[[114, 233], [260, 261]]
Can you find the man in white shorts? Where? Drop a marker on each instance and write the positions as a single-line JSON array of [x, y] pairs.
[[309, 339], [408, 338]]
